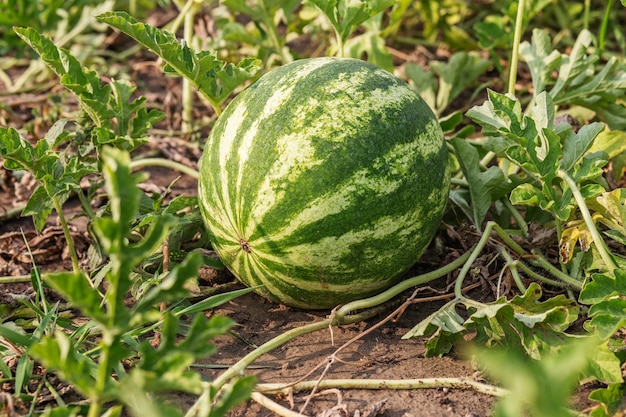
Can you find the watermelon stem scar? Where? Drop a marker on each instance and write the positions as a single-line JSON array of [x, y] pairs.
[[244, 245]]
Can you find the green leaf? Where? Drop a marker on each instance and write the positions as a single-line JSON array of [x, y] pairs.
[[576, 144], [610, 142], [167, 367], [84, 83], [501, 115], [347, 15], [610, 209], [444, 326], [527, 194], [232, 395], [524, 322], [608, 310], [423, 82], [133, 120], [23, 373], [608, 316], [214, 301], [538, 388], [61, 355], [446, 318], [455, 76], [541, 59], [580, 83], [39, 205], [610, 398], [481, 183], [492, 34], [172, 287], [604, 365], [214, 78], [77, 289], [451, 121], [371, 44], [16, 338]]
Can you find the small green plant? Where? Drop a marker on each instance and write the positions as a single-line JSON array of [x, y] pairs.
[[93, 356], [88, 357]]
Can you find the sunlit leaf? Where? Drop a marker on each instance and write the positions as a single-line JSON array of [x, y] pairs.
[[214, 78], [610, 399], [538, 388]]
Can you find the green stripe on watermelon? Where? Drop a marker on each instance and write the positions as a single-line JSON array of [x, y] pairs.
[[325, 181]]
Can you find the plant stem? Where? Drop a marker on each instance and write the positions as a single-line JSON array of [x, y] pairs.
[[568, 281], [604, 26], [342, 316], [380, 384], [162, 162], [491, 225], [15, 280], [187, 90], [512, 264], [340, 47], [458, 285], [273, 406], [66, 232], [272, 31], [539, 260], [343, 312], [521, 222], [517, 37], [266, 347], [584, 211]]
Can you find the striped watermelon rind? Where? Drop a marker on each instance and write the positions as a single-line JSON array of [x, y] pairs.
[[325, 180]]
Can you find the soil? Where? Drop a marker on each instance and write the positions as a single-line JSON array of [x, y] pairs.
[[377, 354]]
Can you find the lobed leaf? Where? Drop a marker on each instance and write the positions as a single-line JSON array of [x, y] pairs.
[[541, 59], [576, 144], [538, 388], [579, 80], [84, 83], [346, 15], [610, 399], [213, 77], [59, 353], [524, 321], [482, 184], [456, 75], [77, 289]]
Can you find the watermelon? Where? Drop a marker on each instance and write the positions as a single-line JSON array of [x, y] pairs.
[[324, 181]]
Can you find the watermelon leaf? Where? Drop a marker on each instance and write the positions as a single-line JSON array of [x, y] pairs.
[[610, 398], [608, 309], [453, 77], [482, 184], [576, 79], [214, 78], [345, 15], [523, 323], [556, 375]]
